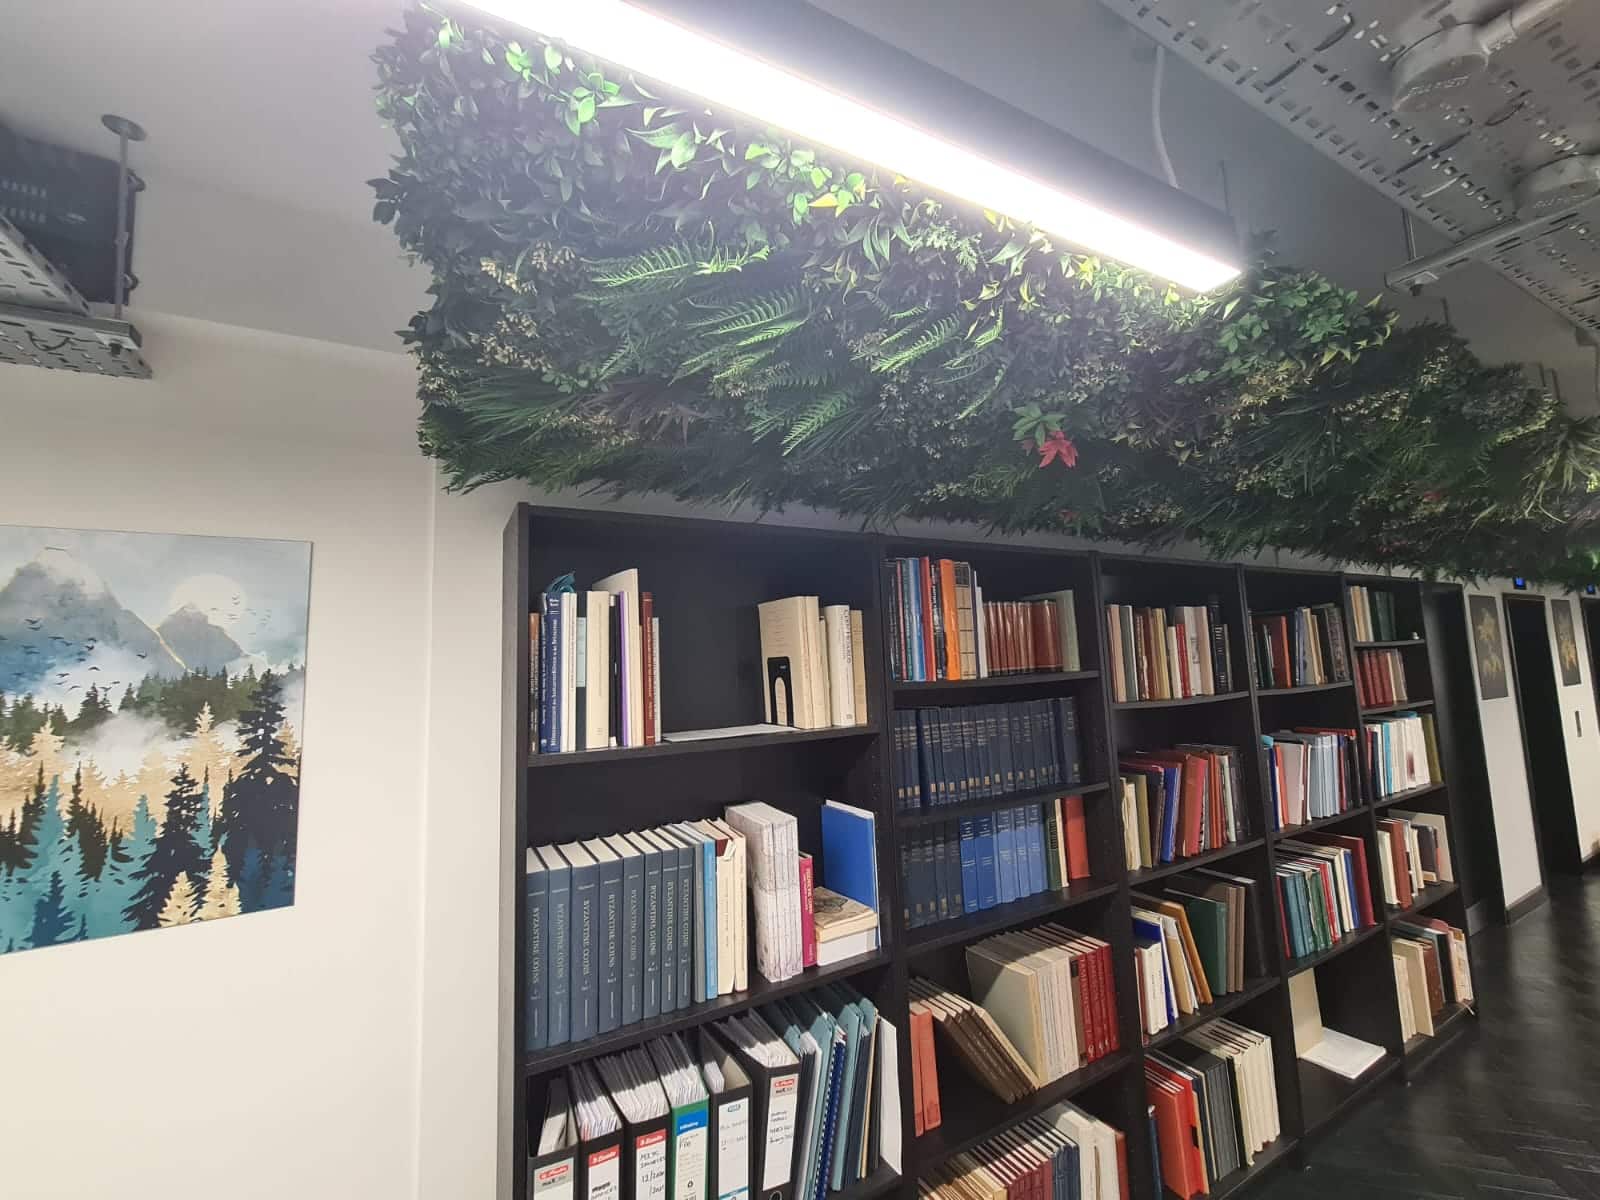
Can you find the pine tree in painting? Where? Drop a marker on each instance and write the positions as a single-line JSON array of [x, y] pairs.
[[16, 914], [52, 922], [32, 810], [57, 856], [260, 805], [174, 853], [179, 906], [221, 899]]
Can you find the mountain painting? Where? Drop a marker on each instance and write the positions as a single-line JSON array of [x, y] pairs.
[[151, 696]]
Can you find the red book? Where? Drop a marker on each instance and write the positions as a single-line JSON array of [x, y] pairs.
[[1077, 837], [1181, 628], [808, 914], [647, 612], [925, 583], [1280, 652], [1177, 1130], [1122, 1164], [922, 1023]]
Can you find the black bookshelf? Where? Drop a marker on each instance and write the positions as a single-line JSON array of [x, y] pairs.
[[708, 576]]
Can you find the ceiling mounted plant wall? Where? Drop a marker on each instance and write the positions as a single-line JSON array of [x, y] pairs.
[[632, 291]]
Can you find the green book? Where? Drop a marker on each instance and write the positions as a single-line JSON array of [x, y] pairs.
[[1208, 921]]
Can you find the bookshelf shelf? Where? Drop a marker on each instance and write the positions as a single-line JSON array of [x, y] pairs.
[[1408, 794], [1220, 1008], [946, 812], [1409, 706], [711, 745], [1293, 831], [760, 991], [1203, 859], [708, 576], [979, 1114], [1182, 702], [1348, 942], [1035, 679], [969, 928]]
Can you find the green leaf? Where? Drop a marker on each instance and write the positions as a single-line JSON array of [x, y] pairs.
[[683, 150], [552, 58], [586, 110]]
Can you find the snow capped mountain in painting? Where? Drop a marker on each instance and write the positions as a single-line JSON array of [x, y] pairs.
[[202, 646]]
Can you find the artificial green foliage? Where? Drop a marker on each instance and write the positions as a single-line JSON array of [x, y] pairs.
[[634, 292]]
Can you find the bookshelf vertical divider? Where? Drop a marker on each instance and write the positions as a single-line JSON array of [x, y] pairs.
[[707, 577]]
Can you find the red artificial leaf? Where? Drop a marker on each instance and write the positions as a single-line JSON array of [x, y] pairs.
[[1058, 446]]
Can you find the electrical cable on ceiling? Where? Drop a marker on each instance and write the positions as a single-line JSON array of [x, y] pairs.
[[1155, 118]]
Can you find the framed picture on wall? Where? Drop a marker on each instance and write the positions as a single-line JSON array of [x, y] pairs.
[[1489, 647], [151, 692], [1566, 642]]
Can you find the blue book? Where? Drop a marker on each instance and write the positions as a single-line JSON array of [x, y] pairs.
[[969, 865], [1005, 841], [608, 929], [1035, 839], [928, 788], [536, 939], [988, 861], [649, 926], [558, 940], [668, 928], [1172, 779], [830, 1126], [632, 928], [691, 929], [854, 1061], [705, 862], [941, 876], [583, 959], [1148, 932], [913, 589], [850, 852], [549, 671]]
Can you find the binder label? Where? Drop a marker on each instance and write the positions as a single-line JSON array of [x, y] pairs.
[[650, 1166], [689, 1156], [782, 1103], [604, 1175], [733, 1150], [554, 1181]]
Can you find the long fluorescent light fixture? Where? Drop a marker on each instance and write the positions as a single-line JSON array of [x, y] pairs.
[[725, 76]]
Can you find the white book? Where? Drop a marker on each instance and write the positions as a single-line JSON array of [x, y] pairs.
[[889, 1131], [858, 662], [597, 670], [655, 671], [569, 672], [1343, 1055], [1402, 987], [840, 665], [741, 909], [980, 628], [774, 886], [817, 677], [625, 585]]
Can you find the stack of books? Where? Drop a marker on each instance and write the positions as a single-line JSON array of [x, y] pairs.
[[801, 1094], [1311, 774], [624, 928], [941, 628], [1189, 944], [1402, 752], [1374, 615], [1330, 1049], [1413, 852], [1381, 678], [1051, 991], [814, 663], [1062, 1153], [1303, 647], [984, 751], [1181, 802], [1322, 891], [595, 666], [976, 1038], [1169, 653], [956, 867], [1430, 970], [1216, 1104]]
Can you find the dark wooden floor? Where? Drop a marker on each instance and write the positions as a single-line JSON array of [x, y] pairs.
[[1512, 1108]]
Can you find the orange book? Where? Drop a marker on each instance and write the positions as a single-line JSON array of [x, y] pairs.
[[1122, 1164], [1177, 1130], [952, 622], [1077, 837], [923, 1022]]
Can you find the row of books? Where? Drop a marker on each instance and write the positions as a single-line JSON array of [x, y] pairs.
[[1311, 774], [1303, 647], [1431, 969], [1180, 802], [1381, 678], [941, 627], [1373, 613], [1063, 1153], [1169, 653], [1216, 1104], [984, 751], [814, 663], [797, 1098], [1413, 853], [1051, 992], [1190, 944], [956, 867], [1402, 752], [595, 666], [1322, 891]]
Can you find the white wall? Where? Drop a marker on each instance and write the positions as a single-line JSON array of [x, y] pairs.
[[271, 1055], [1579, 730]]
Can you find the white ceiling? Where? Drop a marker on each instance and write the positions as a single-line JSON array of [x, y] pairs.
[[263, 132]]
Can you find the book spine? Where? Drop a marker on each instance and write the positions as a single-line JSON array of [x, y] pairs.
[[650, 998], [559, 956], [941, 876], [608, 980], [647, 609], [1005, 854], [808, 912], [987, 853], [1035, 827], [891, 583], [549, 672], [536, 922], [905, 885], [968, 833], [584, 947], [1219, 663], [632, 940], [686, 891]]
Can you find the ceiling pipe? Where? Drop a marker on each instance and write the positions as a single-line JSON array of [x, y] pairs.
[[1427, 76]]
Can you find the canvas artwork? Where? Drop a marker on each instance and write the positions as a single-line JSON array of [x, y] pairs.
[[151, 696], [1484, 614], [1566, 642]]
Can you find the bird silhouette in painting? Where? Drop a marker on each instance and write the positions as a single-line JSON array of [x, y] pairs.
[[144, 656], [32, 622], [56, 637], [94, 668]]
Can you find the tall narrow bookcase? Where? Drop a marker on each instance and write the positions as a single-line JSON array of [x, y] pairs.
[[707, 578]]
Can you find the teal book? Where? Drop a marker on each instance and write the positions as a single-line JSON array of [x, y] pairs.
[[583, 967], [558, 941]]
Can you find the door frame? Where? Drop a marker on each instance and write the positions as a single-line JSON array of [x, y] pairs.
[[1515, 912]]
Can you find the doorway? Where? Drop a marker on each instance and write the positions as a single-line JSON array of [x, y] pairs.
[[1539, 709]]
